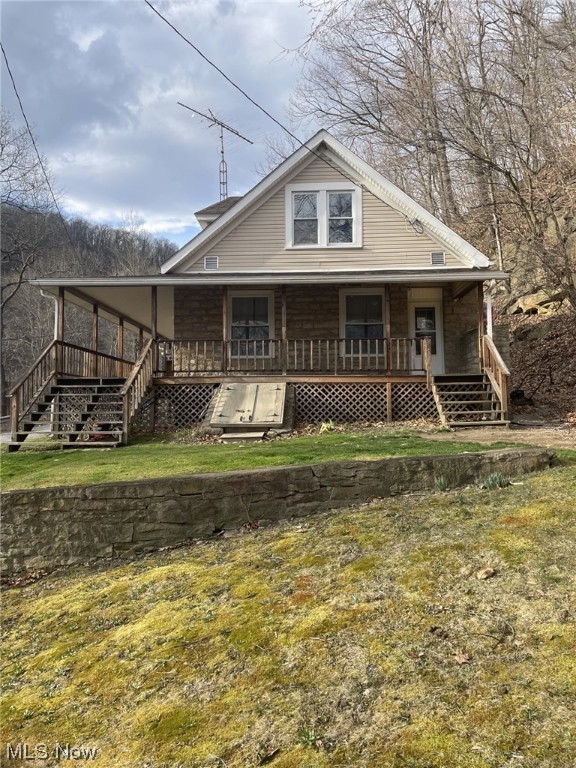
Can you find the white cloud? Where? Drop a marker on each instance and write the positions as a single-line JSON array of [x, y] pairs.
[[100, 82]]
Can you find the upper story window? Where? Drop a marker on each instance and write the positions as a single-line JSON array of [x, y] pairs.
[[329, 216], [305, 213]]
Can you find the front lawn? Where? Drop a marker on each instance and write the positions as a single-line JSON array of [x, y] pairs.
[[158, 458], [414, 632]]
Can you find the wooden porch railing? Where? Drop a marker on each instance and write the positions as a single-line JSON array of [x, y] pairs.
[[31, 386], [60, 359], [497, 371], [136, 386], [316, 356], [72, 360]]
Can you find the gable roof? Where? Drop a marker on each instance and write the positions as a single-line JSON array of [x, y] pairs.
[[218, 208], [374, 181]]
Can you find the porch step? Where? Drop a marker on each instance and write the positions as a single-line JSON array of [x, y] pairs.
[[486, 423], [83, 403], [110, 381], [489, 414], [241, 437], [467, 400], [89, 444]]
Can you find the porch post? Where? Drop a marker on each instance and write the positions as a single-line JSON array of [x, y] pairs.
[[284, 342], [389, 401], [120, 337], [489, 324], [59, 326], [225, 329], [154, 324], [120, 343], [480, 323], [94, 344], [387, 326], [60, 314]]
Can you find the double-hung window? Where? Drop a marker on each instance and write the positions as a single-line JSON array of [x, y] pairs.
[[328, 216], [251, 324], [305, 213], [362, 321]]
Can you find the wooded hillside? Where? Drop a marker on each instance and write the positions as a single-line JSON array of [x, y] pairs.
[[470, 107]]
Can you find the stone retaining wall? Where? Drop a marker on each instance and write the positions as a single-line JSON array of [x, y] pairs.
[[59, 526]]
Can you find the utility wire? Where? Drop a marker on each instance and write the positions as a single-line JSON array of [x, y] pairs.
[[36, 150], [250, 99]]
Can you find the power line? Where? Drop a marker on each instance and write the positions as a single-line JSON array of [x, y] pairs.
[[36, 149], [250, 99]]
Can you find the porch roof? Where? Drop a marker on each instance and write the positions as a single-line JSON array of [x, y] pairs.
[[436, 275], [131, 298]]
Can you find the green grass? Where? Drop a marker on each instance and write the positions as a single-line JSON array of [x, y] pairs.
[[358, 638], [154, 458]]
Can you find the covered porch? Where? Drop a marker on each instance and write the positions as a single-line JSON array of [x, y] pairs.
[[346, 323], [394, 332]]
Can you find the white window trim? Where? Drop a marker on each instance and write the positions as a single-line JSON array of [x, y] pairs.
[[322, 191], [271, 320], [344, 292]]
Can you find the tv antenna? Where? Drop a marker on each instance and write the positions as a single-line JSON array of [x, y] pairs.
[[213, 120]]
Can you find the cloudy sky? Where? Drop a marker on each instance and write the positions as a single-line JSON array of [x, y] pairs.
[[100, 81]]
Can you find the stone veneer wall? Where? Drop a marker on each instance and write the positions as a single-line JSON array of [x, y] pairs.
[[50, 527], [460, 318], [198, 312], [469, 345], [312, 311]]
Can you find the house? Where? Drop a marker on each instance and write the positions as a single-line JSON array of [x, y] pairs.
[[324, 276]]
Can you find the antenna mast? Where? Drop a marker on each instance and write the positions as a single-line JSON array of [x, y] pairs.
[[223, 168]]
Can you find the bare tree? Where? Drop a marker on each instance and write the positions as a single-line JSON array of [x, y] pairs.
[[26, 226], [467, 104]]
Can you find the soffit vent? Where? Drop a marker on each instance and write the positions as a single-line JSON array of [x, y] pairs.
[[438, 258], [211, 262]]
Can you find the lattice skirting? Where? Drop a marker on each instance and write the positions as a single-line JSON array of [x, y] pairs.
[[179, 406], [399, 401], [176, 406]]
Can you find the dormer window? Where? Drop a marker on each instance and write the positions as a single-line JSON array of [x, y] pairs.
[[328, 216]]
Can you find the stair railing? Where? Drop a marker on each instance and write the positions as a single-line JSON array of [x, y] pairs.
[[31, 386], [496, 370], [136, 386]]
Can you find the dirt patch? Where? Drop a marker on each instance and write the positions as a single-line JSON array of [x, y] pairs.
[[547, 436]]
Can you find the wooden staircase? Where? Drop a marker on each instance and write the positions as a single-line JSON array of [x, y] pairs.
[[84, 398], [84, 413], [468, 400]]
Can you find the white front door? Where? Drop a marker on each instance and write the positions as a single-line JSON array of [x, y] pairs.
[[426, 322]]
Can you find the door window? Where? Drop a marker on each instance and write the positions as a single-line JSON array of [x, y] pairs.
[[425, 324]]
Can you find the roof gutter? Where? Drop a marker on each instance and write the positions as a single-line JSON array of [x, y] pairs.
[[277, 278]]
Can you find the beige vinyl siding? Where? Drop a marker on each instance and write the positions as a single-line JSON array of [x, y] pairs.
[[258, 242]]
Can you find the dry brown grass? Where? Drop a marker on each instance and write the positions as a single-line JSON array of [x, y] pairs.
[[356, 638]]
